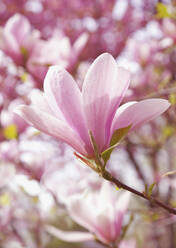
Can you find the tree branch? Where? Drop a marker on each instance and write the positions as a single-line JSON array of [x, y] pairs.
[[106, 175]]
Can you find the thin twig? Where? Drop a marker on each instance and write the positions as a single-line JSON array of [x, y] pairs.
[[106, 175]]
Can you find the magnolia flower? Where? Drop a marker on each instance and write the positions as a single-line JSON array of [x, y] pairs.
[[67, 114], [56, 50], [18, 38], [100, 212]]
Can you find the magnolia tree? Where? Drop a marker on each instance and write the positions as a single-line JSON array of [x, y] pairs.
[[88, 123]]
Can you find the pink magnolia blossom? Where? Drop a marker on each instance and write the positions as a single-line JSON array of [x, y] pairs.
[[169, 27], [8, 117], [67, 114], [56, 50], [101, 212], [18, 38]]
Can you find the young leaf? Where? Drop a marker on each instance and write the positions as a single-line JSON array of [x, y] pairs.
[[117, 136], [150, 189]]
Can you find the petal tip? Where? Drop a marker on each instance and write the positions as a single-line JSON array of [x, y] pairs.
[[105, 56], [19, 110]]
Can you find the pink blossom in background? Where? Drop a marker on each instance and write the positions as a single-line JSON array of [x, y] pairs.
[[18, 38], [68, 114], [169, 28], [101, 212], [56, 50], [70, 179], [8, 117], [128, 244]]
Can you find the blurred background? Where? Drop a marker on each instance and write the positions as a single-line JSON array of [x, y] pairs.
[[39, 176]]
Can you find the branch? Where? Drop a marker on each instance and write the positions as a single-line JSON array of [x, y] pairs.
[[106, 175]]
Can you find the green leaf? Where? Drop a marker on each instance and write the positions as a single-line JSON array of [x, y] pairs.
[[150, 189], [162, 11], [117, 136]]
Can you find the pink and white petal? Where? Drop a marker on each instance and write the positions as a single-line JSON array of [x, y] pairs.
[[105, 229], [120, 209], [80, 44], [61, 89], [39, 101], [82, 212], [107, 194], [15, 36], [51, 126], [123, 202], [103, 89], [69, 236], [12, 28], [10, 44], [49, 94], [128, 244], [138, 113]]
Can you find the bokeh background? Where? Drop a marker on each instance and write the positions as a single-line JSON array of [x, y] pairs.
[[39, 175]]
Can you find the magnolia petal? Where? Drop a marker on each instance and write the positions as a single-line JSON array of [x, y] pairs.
[[51, 125], [121, 207], [69, 236], [82, 212], [80, 43], [13, 27], [60, 88], [137, 113], [39, 101], [118, 203], [15, 36], [103, 89], [123, 202], [105, 231], [127, 244]]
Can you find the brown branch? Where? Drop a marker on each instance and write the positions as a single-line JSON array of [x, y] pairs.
[[106, 175]]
